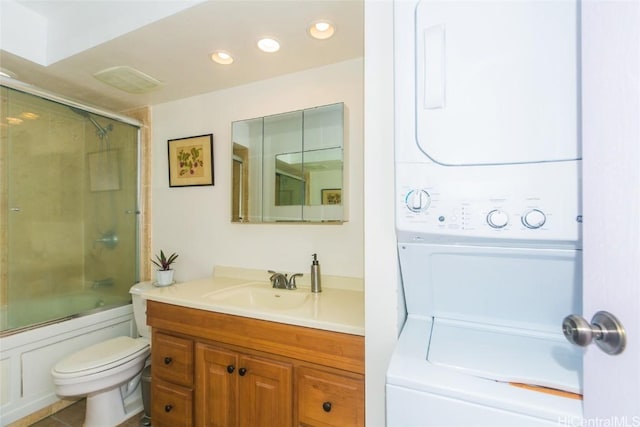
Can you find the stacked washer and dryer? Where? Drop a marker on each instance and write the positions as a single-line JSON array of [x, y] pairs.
[[487, 213]]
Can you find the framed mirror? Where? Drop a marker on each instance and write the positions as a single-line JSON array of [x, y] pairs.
[[289, 167]]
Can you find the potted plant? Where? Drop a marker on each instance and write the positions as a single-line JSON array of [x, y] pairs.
[[164, 274]]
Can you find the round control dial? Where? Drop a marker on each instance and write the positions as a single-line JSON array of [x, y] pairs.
[[534, 218], [417, 200], [497, 218]]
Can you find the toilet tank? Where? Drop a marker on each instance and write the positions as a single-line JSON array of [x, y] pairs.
[[140, 307]]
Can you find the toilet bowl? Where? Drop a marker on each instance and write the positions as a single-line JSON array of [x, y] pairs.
[[108, 373]]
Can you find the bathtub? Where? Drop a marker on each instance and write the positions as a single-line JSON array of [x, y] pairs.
[[26, 357], [38, 310]]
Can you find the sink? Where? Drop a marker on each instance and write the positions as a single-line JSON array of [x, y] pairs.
[[261, 296]]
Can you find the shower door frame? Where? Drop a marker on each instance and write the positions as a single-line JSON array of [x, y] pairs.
[[34, 91]]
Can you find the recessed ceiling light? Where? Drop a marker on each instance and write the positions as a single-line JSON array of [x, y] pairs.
[[268, 45], [321, 30], [29, 115], [13, 120], [222, 57]]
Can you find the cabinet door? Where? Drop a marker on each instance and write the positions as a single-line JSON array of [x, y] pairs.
[[327, 400], [216, 386], [265, 393]]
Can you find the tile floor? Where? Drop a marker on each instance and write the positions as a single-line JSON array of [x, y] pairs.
[[73, 416]]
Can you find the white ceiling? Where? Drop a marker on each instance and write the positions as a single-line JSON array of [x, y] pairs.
[[83, 37]]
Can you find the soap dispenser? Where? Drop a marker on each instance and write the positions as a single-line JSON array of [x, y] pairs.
[[316, 285]]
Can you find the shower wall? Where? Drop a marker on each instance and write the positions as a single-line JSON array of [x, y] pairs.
[[69, 196]]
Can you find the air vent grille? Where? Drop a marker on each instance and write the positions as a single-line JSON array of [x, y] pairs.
[[128, 79]]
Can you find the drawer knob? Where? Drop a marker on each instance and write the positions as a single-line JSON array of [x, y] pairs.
[[168, 360], [242, 371], [168, 408], [231, 368], [326, 406]]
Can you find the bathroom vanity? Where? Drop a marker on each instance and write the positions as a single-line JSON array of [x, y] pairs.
[[297, 361]]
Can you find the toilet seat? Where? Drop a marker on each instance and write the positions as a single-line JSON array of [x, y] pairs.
[[101, 357]]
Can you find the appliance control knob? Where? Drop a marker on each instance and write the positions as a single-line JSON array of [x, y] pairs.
[[497, 218], [417, 200], [534, 218]]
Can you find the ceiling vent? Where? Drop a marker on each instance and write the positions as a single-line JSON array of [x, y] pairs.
[[128, 79]]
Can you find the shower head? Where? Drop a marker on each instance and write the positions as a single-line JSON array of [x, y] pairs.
[[100, 130]]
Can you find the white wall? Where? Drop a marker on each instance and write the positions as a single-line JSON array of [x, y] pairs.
[[383, 314], [195, 221]]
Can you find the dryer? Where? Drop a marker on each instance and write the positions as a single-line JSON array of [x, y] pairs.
[[487, 213]]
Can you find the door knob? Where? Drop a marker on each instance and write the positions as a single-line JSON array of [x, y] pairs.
[[605, 329]]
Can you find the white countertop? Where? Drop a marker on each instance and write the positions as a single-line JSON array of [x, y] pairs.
[[339, 307]]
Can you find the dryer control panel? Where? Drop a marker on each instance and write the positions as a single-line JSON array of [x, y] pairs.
[[533, 203]]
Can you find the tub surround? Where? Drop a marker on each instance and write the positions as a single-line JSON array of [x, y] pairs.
[[338, 308], [305, 362], [27, 358]]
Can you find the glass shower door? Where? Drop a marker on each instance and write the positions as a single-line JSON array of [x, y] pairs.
[[69, 181]]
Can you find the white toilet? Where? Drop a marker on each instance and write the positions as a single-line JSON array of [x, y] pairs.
[[108, 373]]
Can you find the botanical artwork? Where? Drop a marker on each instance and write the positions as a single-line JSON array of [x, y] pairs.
[[191, 161], [332, 196]]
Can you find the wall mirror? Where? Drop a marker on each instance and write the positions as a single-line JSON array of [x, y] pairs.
[[289, 167]]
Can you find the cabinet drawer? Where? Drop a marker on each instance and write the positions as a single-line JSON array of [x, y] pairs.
[[327, 399], [172, 359], [171, 405]]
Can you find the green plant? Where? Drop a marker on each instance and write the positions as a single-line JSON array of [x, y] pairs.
[[163, 262]]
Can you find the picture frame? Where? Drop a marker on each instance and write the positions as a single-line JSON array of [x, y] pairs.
[[191, 161], [331, 196]]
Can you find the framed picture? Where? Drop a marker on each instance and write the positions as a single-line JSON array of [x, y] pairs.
[[331, 196], [191, 161]]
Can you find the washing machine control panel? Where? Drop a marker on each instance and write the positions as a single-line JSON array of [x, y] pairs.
[[417, 200], [523, 202], [498, 218], [534, 218]]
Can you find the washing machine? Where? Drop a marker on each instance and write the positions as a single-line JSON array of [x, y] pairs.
[[488, 213]]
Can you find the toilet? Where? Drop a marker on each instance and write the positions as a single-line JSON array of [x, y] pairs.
[[109, 373]]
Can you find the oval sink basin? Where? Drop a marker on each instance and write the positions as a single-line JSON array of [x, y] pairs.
[[260, 296]]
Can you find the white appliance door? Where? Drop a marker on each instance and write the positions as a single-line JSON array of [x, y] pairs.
[[611, 69], [506, 70]]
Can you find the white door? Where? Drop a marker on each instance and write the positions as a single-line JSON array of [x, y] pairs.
[[611, 200]]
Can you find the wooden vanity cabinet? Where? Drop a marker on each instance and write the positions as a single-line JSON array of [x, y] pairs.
[[247, 372], [234, 389]]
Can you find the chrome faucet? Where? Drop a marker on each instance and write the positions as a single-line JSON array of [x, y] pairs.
[[292, 281], [280, 280]]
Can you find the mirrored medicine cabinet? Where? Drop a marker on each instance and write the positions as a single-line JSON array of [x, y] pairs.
[[289, 167]]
